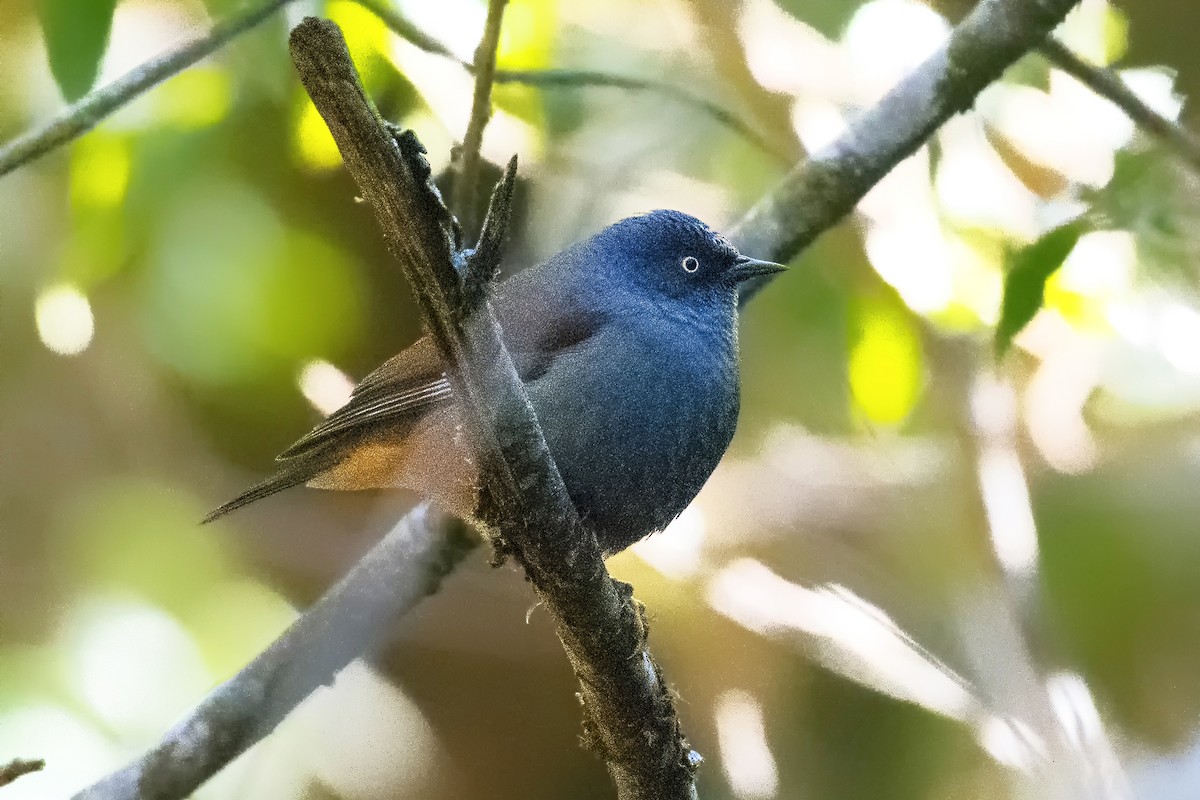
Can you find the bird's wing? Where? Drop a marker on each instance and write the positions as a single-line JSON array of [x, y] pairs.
[[543, 320], [406, 384], [538, 326]]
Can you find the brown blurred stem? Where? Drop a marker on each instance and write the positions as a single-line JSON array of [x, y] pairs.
[[1109, 85], [20, 767], [467, 155], [771, 110]]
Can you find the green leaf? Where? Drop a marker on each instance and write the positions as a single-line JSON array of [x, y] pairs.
[[1025, 283], [76, 33]]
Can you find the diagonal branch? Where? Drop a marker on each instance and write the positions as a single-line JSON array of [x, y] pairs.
[[91, 109], [407, 564], [819, 192], [630, 718], [1108, 84]]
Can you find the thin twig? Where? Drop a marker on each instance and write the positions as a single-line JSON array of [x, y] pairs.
[[577, 78], [630, 718], [1109, 85], [410, 33], [89, 110], [819, 192], [20, 767], [407, 565], [467, 158], [571, 78], [92, 109]]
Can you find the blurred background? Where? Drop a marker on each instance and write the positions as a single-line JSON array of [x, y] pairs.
[[920, 572]]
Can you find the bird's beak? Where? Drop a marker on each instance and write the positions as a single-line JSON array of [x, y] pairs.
[[747, 268]]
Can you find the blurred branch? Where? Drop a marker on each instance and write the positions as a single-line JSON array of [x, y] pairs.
[[585, 78], [1109, 85], [92, 109], [718, 20], [819, 192], [85, 114], [20, 767], [483, 66], [630, 718], [569, 78], [408, 564]]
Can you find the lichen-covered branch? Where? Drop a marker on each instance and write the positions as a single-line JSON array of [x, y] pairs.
[[630, 719], [407, 565], [819, 192]]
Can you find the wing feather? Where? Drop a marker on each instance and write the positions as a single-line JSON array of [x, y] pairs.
[[407, 384]]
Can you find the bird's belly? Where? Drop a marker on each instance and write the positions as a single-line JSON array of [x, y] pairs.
[[635, 450]]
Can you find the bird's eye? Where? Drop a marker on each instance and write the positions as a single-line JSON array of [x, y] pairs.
[[690, 264]]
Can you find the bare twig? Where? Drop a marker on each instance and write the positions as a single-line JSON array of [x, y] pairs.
[[771, 110], [19, 767], [818, 193], [1109, 85], [408, 564], [92, 109], [630, 718], [467, 156], [410, 33], [85, 114], [580, 78]]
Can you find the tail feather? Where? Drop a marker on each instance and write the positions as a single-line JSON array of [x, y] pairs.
[[276, 483]]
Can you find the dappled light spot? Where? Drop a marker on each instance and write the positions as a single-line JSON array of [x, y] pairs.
[[199, 97], [139, 695], [910, 254], [676, 551], [73, 746], [454, 23], [746, 757], [64, 320], [1178, 334], [885, 369], [852, 637], [100, 167], [887, 39], [325, 386], [1001, 478], [311, 141]]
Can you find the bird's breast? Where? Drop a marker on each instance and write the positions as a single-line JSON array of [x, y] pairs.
[[636, 422]]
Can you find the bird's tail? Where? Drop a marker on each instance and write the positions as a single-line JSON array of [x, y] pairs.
[[276, 483]]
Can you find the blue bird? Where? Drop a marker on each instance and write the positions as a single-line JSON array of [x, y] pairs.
[[627, 346]]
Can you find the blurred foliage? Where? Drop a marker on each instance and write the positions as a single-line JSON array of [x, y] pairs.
[[76, 35], [170, 280], [1025, 282]]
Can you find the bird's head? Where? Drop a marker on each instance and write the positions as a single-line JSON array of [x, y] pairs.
[[673, 254]]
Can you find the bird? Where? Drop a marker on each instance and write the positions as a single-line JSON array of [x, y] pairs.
[[626, 344]]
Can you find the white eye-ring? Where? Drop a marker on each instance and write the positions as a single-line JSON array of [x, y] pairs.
[[690, 264]]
